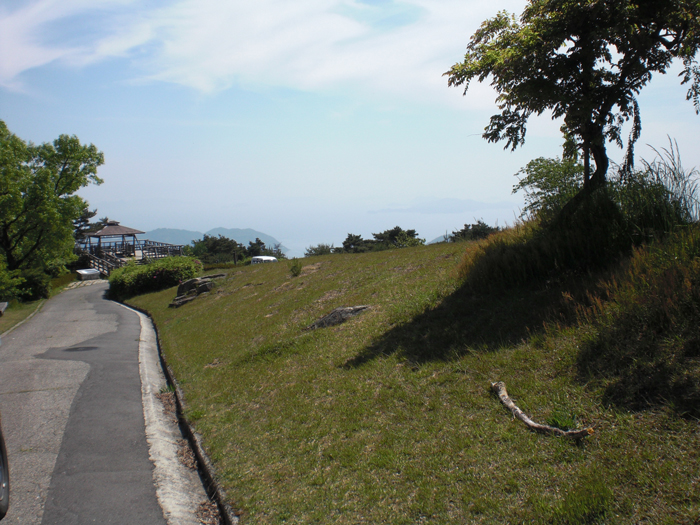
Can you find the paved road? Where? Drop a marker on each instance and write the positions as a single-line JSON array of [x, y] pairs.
[[70, 397]]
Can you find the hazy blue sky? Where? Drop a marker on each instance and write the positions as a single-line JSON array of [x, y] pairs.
[[304, 119]]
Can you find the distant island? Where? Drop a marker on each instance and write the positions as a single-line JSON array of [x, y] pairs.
[[185, 237]]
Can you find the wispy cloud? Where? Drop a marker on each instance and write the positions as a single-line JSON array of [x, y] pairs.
[[31, 38], [395, 47]]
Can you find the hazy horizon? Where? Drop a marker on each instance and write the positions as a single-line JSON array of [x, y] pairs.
[[307, 120]]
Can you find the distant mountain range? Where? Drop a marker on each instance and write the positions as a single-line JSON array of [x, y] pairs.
[[241, 236]]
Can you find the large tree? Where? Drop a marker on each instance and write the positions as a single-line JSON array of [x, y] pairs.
[[37, 197], [585, 61]]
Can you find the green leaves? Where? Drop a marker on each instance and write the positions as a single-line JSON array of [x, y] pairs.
[[548, 185], [37, 201], [583, 60]]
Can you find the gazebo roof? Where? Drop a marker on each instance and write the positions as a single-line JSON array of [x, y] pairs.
[[114, 230]]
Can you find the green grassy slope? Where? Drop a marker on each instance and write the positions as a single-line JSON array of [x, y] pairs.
[[389, 417]]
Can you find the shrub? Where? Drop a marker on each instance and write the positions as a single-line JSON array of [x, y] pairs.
[[134, 279], [320, 249], [472, 232], [295, 267], [633, 208], [82, 262], [532, 251], [10, 283], [548, 184], [36, 285]]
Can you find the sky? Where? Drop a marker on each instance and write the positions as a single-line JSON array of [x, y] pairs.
[[306, 120]]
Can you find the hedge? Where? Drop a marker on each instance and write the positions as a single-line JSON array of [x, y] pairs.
[[135, 279]]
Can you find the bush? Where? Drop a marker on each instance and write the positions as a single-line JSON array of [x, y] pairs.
[[36, 285], [320, 249], [532, 251], [10, 283], [81, 263], [295, 267], [62, 280], [632, 209], [473, 232], [134, 279], [548, 185]]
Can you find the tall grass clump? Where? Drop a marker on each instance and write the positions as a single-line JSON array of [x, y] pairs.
[[633, 208], [645, 342], [657, 198], [133, 279], [534, 251]]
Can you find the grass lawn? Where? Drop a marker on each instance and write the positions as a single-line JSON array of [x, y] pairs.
[[17, 312], [389, 418]]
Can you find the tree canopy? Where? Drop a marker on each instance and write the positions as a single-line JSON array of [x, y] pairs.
[[213, 250], [473, 232], [585, 61], [386, 240], [37, 197]]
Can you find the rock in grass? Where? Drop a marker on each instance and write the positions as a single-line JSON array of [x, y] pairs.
[[193, 285], [188, 286], [191, 288], [205, 286], [182, 299], [337, 316]]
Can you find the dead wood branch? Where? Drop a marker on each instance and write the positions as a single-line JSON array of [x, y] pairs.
[[500, 389]]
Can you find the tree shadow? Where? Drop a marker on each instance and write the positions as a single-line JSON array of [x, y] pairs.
[[642, 367], [465, 322]]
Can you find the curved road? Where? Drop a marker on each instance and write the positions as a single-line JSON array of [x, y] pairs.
[[72, 414]]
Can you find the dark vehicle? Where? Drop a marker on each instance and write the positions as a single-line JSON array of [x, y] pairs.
[[4, 477]]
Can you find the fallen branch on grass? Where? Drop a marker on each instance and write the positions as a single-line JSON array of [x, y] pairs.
[[500, 389]]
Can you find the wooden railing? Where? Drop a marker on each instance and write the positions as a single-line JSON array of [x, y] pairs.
[[104, 266], [110, 255], [156, 250]]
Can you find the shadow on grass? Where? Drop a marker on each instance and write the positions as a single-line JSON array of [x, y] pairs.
[[465, 322], [644, 367]]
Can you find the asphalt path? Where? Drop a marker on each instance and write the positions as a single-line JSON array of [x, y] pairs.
[[73, 415]]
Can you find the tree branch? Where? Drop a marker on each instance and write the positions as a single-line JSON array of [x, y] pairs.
[[500, 389]]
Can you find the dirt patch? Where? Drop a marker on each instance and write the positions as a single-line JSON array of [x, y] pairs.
[[284, 287], [329, 296], [311, 268]]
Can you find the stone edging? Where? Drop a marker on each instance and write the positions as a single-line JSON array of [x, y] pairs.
[[214, 490]]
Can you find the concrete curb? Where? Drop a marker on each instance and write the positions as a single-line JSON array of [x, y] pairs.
[[206, 468], [179, 489]]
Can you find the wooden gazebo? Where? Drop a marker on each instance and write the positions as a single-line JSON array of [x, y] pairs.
[[114, 239], [117, 244]]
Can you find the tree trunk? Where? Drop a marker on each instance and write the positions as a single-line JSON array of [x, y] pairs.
[[597, 180]]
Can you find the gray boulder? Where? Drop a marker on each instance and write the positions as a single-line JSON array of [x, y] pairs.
[[337, 316]]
